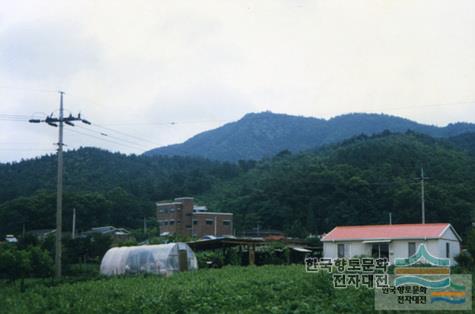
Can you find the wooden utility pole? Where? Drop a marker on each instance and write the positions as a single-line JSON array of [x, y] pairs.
[[55, 122], [59, 195]]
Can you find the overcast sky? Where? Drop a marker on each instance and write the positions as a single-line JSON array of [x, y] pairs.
[[138, 66]]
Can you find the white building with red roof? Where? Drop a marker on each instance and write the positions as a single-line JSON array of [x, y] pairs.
[[391, 241]]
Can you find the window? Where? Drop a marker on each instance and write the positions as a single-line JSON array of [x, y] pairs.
[[380, 250], [411, 246], [447, 249], [165, 222], [188, 214], [195, 222], [172, 222], [341, 250], [226, 222], [178, 221], [209, 221]]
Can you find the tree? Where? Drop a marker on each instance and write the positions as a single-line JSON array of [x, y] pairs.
[[469, 242], [41, 262]]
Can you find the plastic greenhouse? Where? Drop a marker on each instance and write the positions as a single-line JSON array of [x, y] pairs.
[[162, 259]]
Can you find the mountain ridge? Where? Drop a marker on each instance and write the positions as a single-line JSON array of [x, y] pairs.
[[264, 134]]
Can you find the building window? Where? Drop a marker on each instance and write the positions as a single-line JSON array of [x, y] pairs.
[[226, 222], [341, 250], [188, 214], [447, 249], [172, 222], [165, 223], [380, 250], [195, 222], [411, 248], [178, 221], [209, 221], [188, 227]]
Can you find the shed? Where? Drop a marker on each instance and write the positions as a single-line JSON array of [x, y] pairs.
[[392, 241], [162, 259]]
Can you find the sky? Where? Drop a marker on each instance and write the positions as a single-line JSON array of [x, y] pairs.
[[154, 73]]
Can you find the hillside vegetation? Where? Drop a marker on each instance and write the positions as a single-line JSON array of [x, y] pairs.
[[264, 134], [356, 182], [105, 188]]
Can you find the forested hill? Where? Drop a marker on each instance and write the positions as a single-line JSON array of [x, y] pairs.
[[96, 170], [259, 135], [105, 188], [357, 182]]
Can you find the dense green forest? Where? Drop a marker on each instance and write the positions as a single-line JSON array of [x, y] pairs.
[[264, 134], [358, 181], [105, 188]]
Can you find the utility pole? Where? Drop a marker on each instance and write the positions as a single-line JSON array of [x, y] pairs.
[[390, 218], [74, 224], [59, 195], [215, 225], [423, 205], [144, 225], [52, 121]]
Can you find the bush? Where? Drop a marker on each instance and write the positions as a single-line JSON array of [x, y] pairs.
[[19, 264], [208, 259], [469, 242], [464, 260]]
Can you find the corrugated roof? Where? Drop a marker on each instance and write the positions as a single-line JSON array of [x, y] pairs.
[[403, 231]]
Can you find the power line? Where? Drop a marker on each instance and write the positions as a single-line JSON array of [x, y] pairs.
[[170, 123], [103, 139], [107, 136], [27, 149], [125, 134], [35, 90]]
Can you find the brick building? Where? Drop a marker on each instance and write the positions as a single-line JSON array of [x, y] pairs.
[[182, 217]]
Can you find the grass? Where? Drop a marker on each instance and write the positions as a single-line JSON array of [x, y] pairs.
[[232, 289], [266, 289]]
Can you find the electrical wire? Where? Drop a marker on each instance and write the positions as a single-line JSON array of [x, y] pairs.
[[102, 139], [35, 90], [108, 136], [125, 134]]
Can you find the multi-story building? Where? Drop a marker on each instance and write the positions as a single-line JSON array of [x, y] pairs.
[[182, 217]]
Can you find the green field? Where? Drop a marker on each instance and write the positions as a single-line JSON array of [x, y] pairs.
[[266, 289]]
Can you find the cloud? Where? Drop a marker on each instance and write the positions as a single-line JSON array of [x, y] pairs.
[[138, 66], [50, 51]]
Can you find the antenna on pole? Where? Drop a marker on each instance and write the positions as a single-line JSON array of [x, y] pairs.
[[59, 122]]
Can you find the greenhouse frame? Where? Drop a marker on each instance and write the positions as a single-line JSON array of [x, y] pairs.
[[163, 259]]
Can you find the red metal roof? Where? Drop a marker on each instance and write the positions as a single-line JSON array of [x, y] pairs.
[[376, 232]]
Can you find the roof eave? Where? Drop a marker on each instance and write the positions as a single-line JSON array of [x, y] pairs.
[[382, 239]]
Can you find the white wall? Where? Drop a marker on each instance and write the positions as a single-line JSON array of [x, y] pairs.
[[352, 248], [397, 248]]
